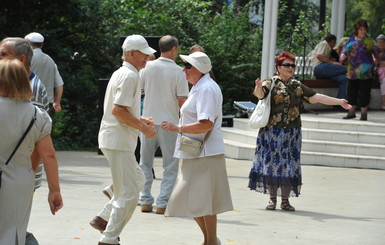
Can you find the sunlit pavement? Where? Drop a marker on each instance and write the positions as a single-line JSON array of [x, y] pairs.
[[337, 206]]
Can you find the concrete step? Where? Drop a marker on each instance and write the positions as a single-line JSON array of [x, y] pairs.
[[326, 123], [342, 125], [327, 140], [345, 148], [337, 135], [242, 151], [342, 160], [249, 136], [239, 150], [244, 136]]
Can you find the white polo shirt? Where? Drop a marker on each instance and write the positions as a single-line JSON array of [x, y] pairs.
[[204, 102], [163, 83], [123, 89]]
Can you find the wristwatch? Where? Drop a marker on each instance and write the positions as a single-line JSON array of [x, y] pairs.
[[180, 126]]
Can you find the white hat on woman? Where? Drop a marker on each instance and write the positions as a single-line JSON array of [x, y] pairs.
[[199, 60]]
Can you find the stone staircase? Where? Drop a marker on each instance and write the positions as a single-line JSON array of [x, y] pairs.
[[326, 141]]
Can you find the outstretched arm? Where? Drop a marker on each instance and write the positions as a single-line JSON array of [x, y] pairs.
[[327, 100]]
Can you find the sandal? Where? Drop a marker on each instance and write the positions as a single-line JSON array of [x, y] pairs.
[[285, 205], [272, 203]]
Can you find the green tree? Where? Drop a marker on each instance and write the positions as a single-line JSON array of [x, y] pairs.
[[83, 38], [234, 46], [78, 37], [372, 11]]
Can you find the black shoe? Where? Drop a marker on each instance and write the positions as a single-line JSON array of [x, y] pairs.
[[364, 117], [349, 116]]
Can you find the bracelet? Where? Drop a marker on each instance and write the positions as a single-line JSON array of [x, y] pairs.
[[180, 126]]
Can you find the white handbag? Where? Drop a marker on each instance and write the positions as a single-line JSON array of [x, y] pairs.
[[190, 145], [260, 116], [193, 146]]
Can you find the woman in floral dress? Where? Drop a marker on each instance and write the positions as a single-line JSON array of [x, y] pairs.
[[276, 166]]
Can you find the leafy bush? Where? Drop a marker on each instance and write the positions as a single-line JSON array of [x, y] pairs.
[[82, 36]]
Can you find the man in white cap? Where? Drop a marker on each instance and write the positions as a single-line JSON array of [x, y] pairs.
[[165, 89], [44, 66], [118, 138]]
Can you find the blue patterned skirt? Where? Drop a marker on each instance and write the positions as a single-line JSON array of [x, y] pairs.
[[277, 161]]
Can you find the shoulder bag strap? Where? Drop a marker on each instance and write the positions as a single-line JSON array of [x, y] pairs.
[[209, 132], [22, 137], [19, 143]]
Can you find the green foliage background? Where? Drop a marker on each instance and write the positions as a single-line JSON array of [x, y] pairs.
[[82, 36]]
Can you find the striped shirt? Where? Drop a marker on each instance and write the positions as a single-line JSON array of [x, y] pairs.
[[40, 98]]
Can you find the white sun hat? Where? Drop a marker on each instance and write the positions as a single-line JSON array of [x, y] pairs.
[[199, 60]]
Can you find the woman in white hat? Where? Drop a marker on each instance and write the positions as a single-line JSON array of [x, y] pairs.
[[202, 189]]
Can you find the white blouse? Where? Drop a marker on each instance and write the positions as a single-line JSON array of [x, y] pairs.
[[204, 102]]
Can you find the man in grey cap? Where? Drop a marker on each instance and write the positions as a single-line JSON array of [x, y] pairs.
[[118, 138], [44, 66]]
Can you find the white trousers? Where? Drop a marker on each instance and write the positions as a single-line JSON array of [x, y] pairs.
[[128, 180]]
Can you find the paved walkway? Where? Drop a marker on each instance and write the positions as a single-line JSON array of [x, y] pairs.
[[337, 206]]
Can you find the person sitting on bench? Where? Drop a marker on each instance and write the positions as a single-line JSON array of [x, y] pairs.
[[325, 68]]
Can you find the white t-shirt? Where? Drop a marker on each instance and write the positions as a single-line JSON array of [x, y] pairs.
[[204, 102], [123, 89], [163, 83]]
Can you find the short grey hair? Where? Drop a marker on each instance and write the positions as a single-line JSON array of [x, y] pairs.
[[20, 46]]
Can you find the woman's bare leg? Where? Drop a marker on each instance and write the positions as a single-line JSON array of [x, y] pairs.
[[201, 223], [208, 226]]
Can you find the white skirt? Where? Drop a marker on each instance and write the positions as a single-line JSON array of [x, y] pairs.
[[201, 189]]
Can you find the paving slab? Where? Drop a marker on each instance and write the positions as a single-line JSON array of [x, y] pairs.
[[337, 206]]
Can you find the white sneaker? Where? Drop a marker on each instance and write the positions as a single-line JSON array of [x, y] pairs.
[[108, 192]]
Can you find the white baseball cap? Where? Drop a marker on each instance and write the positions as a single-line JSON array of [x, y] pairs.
[[381, 36], [137, 42], [199, 60], [35, 37]]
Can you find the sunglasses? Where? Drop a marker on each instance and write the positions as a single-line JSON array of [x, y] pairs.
[[288, 65], [187, 66]]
